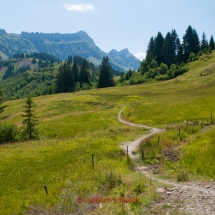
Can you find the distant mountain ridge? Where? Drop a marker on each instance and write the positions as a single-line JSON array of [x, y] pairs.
[[125, 58], [62, 45]]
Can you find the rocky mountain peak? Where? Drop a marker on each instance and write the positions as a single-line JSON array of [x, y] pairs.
[[85, 37], [113, 52], [3, 32]]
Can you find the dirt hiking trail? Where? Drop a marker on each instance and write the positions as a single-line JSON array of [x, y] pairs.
[[193, 197]]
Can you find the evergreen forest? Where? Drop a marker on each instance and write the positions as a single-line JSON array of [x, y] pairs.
[[167, 57]]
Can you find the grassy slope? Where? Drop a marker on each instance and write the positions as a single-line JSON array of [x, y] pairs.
[[73, 126], [188, 97]]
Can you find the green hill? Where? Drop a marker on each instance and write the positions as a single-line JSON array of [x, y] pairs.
[[73, 126], [31, 74]]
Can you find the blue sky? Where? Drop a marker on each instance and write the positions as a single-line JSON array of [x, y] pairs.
[[112, 24]]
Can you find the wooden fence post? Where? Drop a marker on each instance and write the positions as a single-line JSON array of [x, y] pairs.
[[92, 161], [142, 154], [46, 189]]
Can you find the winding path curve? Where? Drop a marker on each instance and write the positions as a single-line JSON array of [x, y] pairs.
[[132, 145], [198, 197]]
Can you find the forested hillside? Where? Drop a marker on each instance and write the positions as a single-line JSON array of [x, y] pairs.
[[41, 74], [167, 57]]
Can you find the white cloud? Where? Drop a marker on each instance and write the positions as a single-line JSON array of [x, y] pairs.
[[79, 7], [140, 55]]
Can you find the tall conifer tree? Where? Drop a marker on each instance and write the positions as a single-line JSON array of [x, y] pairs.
[[180, 52], [168, 54], [204, 42], [75, 71], [196, 42], [150, 51], [69, 59], [84, 75], [30, 122], [211, 43], [158, 46], [105, 74], [65, 82], [190, 42]]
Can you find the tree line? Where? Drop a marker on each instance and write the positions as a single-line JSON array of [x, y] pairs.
[[41, 56], [171, 50], [72, 77], [166, 57]]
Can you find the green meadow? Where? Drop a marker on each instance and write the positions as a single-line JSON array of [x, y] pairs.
[[73, 126]]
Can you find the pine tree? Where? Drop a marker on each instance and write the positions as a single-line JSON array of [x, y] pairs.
[[180, 52], [105, 74], [168, 54], [75, 71], [150, 51], [30, 122], [60, 80], [69, 85], [211, 43], [175, 38], [84, 74], [65, 81], [158, 46], [196, 42], [204, 42], [187, 42], [190, 42], [70, 59]]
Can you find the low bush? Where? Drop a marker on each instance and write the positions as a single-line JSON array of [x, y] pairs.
[[136, 78], [182, 176], [8, 133]]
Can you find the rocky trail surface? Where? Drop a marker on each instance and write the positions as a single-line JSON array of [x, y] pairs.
[[193, 197]]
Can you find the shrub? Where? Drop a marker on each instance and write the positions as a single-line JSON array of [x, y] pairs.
[[139, 187], [163, 69], [180, 71], [136, 78], [8, 133], [162, 77], [192, 57], [85, 86], [110, 180], [182, 176]]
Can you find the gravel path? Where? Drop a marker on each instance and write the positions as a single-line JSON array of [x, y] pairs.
[[132, 145], [197, 198]]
